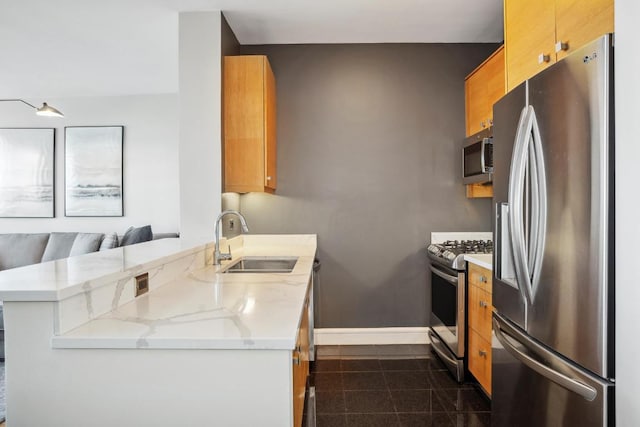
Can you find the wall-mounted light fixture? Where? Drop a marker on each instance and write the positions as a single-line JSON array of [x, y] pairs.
[[45, 110]]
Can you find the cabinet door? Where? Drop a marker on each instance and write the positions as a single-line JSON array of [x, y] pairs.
[[480, 360], [578, 22], [480, 277], [495, 81], [244, 123], [270, 179], [301, 366], [483, 87], [249, 124], [475, 87], [529, 33], [480, 308]]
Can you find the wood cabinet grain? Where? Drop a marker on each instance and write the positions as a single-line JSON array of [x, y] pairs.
[[300, 358], [480, 311], [538, 33], [250, 138], [483, 87]]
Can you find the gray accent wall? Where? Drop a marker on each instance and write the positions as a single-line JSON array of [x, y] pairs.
[[369, 141]]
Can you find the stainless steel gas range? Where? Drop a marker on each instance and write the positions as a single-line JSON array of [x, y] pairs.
[[449, 295]]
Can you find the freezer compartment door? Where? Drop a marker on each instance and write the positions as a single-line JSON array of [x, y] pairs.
[[533, 386]]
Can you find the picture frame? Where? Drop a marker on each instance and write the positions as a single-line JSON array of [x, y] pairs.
[[93, 159], [27, 172]]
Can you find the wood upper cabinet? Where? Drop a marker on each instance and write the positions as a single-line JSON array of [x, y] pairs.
[[529, 38], [249, 95], [479, 326], [483, 87], [538, 33], [578, 22]]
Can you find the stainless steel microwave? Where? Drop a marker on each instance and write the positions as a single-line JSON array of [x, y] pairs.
[[477, 158]]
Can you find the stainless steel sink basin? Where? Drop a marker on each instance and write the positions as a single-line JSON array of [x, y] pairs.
[[254, 264]]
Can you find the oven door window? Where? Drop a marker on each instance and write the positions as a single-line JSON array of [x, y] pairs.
[[444, 301]]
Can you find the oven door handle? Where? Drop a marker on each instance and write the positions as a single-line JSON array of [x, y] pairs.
[[451, 279], [433, 337]]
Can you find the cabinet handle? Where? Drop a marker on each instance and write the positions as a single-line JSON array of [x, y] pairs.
[[483, 304], [483, 124], [490, 122], [296, 360], [560, 46], [543, 58], [268, 178], [483, 279], [298, 348], [482, 353]]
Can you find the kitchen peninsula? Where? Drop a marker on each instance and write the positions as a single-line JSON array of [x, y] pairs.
[[201, 347]]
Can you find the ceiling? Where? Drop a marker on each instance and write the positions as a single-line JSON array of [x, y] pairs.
[[93, 48]]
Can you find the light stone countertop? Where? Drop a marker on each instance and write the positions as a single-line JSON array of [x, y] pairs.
[[64, 278], [207, 309], [483, 260]]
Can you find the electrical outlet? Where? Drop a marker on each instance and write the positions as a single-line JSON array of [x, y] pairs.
[[142, 284]]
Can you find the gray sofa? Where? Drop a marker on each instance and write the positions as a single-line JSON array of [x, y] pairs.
[[20, 249]]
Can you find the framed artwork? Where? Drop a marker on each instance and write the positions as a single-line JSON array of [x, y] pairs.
[[27, 173], [93, 171]]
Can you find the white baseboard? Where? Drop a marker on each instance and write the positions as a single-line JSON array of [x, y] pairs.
[[370, 336]]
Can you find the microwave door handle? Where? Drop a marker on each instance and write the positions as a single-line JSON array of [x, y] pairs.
[[482, 145]]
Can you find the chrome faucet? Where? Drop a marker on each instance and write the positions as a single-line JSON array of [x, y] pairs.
[[217, 255]]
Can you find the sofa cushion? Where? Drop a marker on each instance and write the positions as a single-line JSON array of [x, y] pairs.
[[59, 246], [137, 235], [19, 249], [86, 243], [110, 241]]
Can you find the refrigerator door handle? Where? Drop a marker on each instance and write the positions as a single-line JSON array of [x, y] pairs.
[[515, 202], [540, 202], [527, 166], [587, 392]]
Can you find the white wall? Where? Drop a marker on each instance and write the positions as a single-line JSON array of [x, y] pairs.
[[150, 159], [200, 117], [627, 64]]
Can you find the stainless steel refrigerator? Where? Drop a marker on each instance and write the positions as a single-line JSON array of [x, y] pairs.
[[553, 288]]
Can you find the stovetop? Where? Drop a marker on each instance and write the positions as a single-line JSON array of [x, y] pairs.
[[451, 252]]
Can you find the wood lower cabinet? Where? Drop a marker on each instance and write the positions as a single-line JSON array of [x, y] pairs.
[[480, 360], [479, 324], [538, 33], [249, 95], [300, 357]]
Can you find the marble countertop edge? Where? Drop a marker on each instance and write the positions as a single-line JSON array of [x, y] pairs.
[[483, 260], [62, 342], [51, 281]]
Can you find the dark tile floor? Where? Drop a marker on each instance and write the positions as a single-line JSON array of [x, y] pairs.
[[392, 386]]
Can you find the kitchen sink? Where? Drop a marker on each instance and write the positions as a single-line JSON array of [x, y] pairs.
[[264, 264]]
